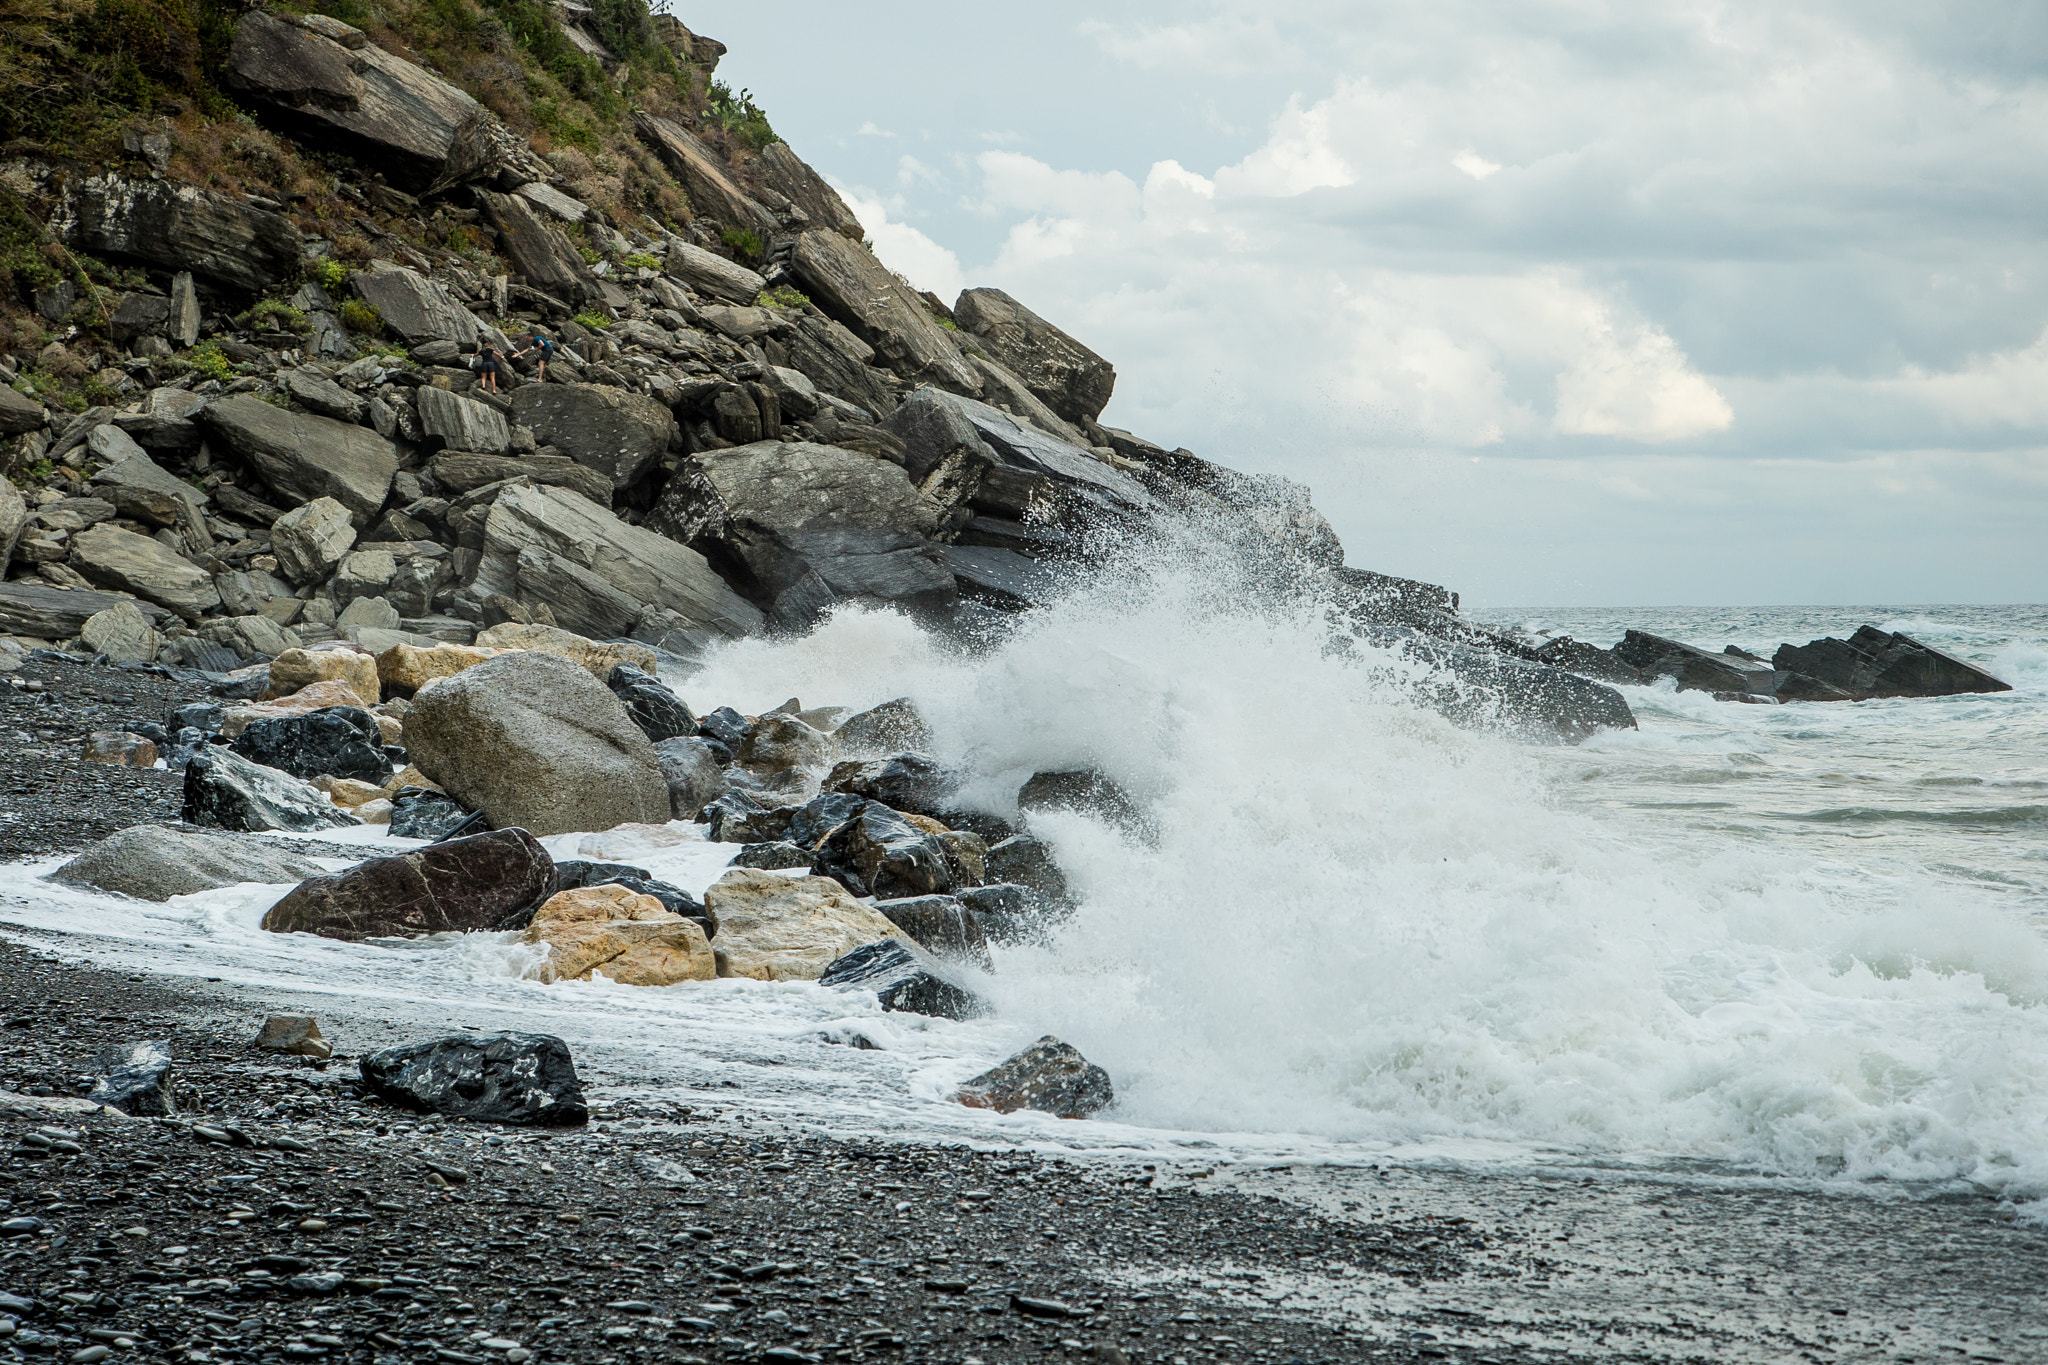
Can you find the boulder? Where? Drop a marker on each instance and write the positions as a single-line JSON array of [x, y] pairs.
[[1083, 790], [294, 670], [615, 432], [462, 423], [573, 873], [114, 558], [336, 741], [713, 275], [227, 791], [305, 457], [736, 817], [777, 928], [532, 740], [546, 196], [118, 747], [879, 853], [310, 541], [13, 515], [18, 412], [598, 659], [1589, 661], [462, 886], [906, 782], [1007, 912], [693, 775], [659, 713], [903, 980], [1694, 669], [941, 925], [141, 488], [702, 171], [810, 824], [320, 395], [775, 744], [1024, 861], [157, 862], [282, 63], [135, 1078], [315, 696], [777, 855], [1875, 663], [1049, 1075], [296, 1035], [1485, 689], [122, 633], [537, 249], [628, 938], [786, 174], [167, 419], [226, 241], [462, 471], [417, 813], [840, 364], [403, 670], [416, 308], [515, 1078], [796, 527], [1059, 371], [845, 280]]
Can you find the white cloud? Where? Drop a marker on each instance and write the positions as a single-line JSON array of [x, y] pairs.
[[868, 129], [902, 247], [1475, 165], [1223, 44]]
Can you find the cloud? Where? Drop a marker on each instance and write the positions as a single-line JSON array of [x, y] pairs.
[[1224, 44], [903, 248]]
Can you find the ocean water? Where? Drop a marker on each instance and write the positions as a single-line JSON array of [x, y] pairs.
[[1799, 941]]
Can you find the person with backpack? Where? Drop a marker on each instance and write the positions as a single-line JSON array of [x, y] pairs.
[[489, 362], [546, 348]]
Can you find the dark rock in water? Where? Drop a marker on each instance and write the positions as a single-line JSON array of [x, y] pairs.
[[1027, 862], [894, 727], [1084, 790], [821, 815], [1007, 912], [727, 726], [1589, 661], [906, 782], [460, 886], [157, 862], [776, 856], [337, 741], [737, 818], [1872, 663], [655, 709], [1484, 687], [879, 853], [902, 981], [417, 813], [199, 715], [227, 791], [942, 925], [524, 1078], [694, 772], [1049, 1075], [1695, 669], [135, 1078]]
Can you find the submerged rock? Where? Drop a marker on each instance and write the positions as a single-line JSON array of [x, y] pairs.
[[460, 886], [1049, 1075], [135, 1078], [516, 1078], [227, 791], [903, 981], [157, 862]]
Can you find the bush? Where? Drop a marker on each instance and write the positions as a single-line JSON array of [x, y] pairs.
[[781, 296], [596, 322], [361, 318], [277, 313], [208, 361], [641, 260], [744, 243], [739, 115], [334, 275]]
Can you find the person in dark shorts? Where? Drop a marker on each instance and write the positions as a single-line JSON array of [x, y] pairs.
[[489, 362], [535, 342]]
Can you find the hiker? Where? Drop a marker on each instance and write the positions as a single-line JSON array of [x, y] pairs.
[[536, 342], [489, 360]]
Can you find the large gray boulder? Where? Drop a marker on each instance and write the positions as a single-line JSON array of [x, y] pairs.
[[798, 526], [178, 227], [459, 423], [310, 541], [13, 516], [535, 741], [42, 612], [618, 433], [600, 576], [537, 249], [114, 558], [702, 171], [713, 275], [18, 412], [414, 307], [305, 457], [145, 491], [844, 278], [122, 633], [157, 862], [1062, 373], [283, 63], [838, 363], [227, 791], [787, 174]]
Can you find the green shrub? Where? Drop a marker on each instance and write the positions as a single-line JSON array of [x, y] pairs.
[[37, 473], [334, 275], [739, 115], [641, 260], [207, 359], [361, 318], [744, 243], [945, 322], [781, 296], [277, 313], [596, 322]]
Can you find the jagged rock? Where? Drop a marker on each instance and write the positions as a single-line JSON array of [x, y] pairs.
[[462, 423], [113, 558], [420, 814], [879, 853], [536, 249], [726, 726], [941, 925], [1049, 1075], [1007, 912], [416, 308], [659, 713], [1084, 790], [905, 782], [139, 315], [796, 527], [1589, 661], [322, 396], [18, 412], [617, 433], [338, 741], [1029, 475], [533, 740], [295, 1035], [598, 659], [1001, 389], [13, 516], [310, 541], [296, 669], [42, 612], [1694, 669], [364, 573], [227, 791], [713, 275], [123, 634], [776, 744], [461, 471], [305, 457], [805, 188], [166, 421], [840, 364], [546, 196], [902, 981], [1024, 861], [516, 1078], [135, 1078], [712, 193], [810, 824], [118, 747], [462, 886], [1002, 578], [178, 227], [141, 488], [273, 60], [1062, 373], [775, 855], [630, 938], [843, 278], [737, 818], [1873, 663], [776, 928]]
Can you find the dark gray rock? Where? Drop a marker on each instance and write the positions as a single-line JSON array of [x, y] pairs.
[[1694, 669], [1874, 663], [894, 727], [727, 726], [1003, 578], [691, 768], [905, 782], [941, 925], [513, 1078], [1589, 661], [207, 716], [904, 980], [1059, 371], [18, 412], [227, 791], [178, 227], [778, 856], [43, 612], [420, 310], [536, 249], [1086, 791], [157, 862], [462, 886], [615, 432], [417, 813], [448, 420], [845, 280], [1486, 689], [737, 818], [1024, 861], [335, 741], [656, 710], [144, 566], [879, 853], [463, 471], [135, 1078], [702, 171], [818, 817], [1009, 913], [1049, 1075], [283, 63], [304, 457], [805, 188]]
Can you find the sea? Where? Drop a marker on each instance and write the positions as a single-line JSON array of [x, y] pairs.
[[1804, 943]]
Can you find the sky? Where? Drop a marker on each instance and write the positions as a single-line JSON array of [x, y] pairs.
[[1558, 303]]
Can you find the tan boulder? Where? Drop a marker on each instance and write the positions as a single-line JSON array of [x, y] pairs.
[[777, 928], [411, 777], [377, 812], [347, 792], [598, 658], [119, 747], [296, 669], [628, 937], [312, 697], [405, 669]]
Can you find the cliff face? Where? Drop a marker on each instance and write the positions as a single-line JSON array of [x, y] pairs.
[[274, 340]]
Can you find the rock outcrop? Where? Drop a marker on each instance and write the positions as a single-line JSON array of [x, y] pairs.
[[455, 887], [1874, 663], [233, 244], [1059, 371]]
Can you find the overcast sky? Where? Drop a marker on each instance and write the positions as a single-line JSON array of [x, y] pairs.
[[1556, 303]]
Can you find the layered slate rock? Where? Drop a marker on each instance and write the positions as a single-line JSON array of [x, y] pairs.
[[712, 193], [13, 517], [903, 980], [1875, 663], [461, 423], [514, 1078], [43, 612], [226, 241], [462, 886], [463, 471], [844, 278], [713, 275], [1063, 374], [18, 412], [304, 457], [1049, 1075], [114, 558], [536, 249], [617, 433], [777, 928], [416, 308], [122, 634], [136, 1078], [227, 791], [157, 862], [788, 176], [534, 741], [336, 741], [796, 527]]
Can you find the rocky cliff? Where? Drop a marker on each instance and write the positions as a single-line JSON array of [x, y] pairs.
[[248, 320]]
